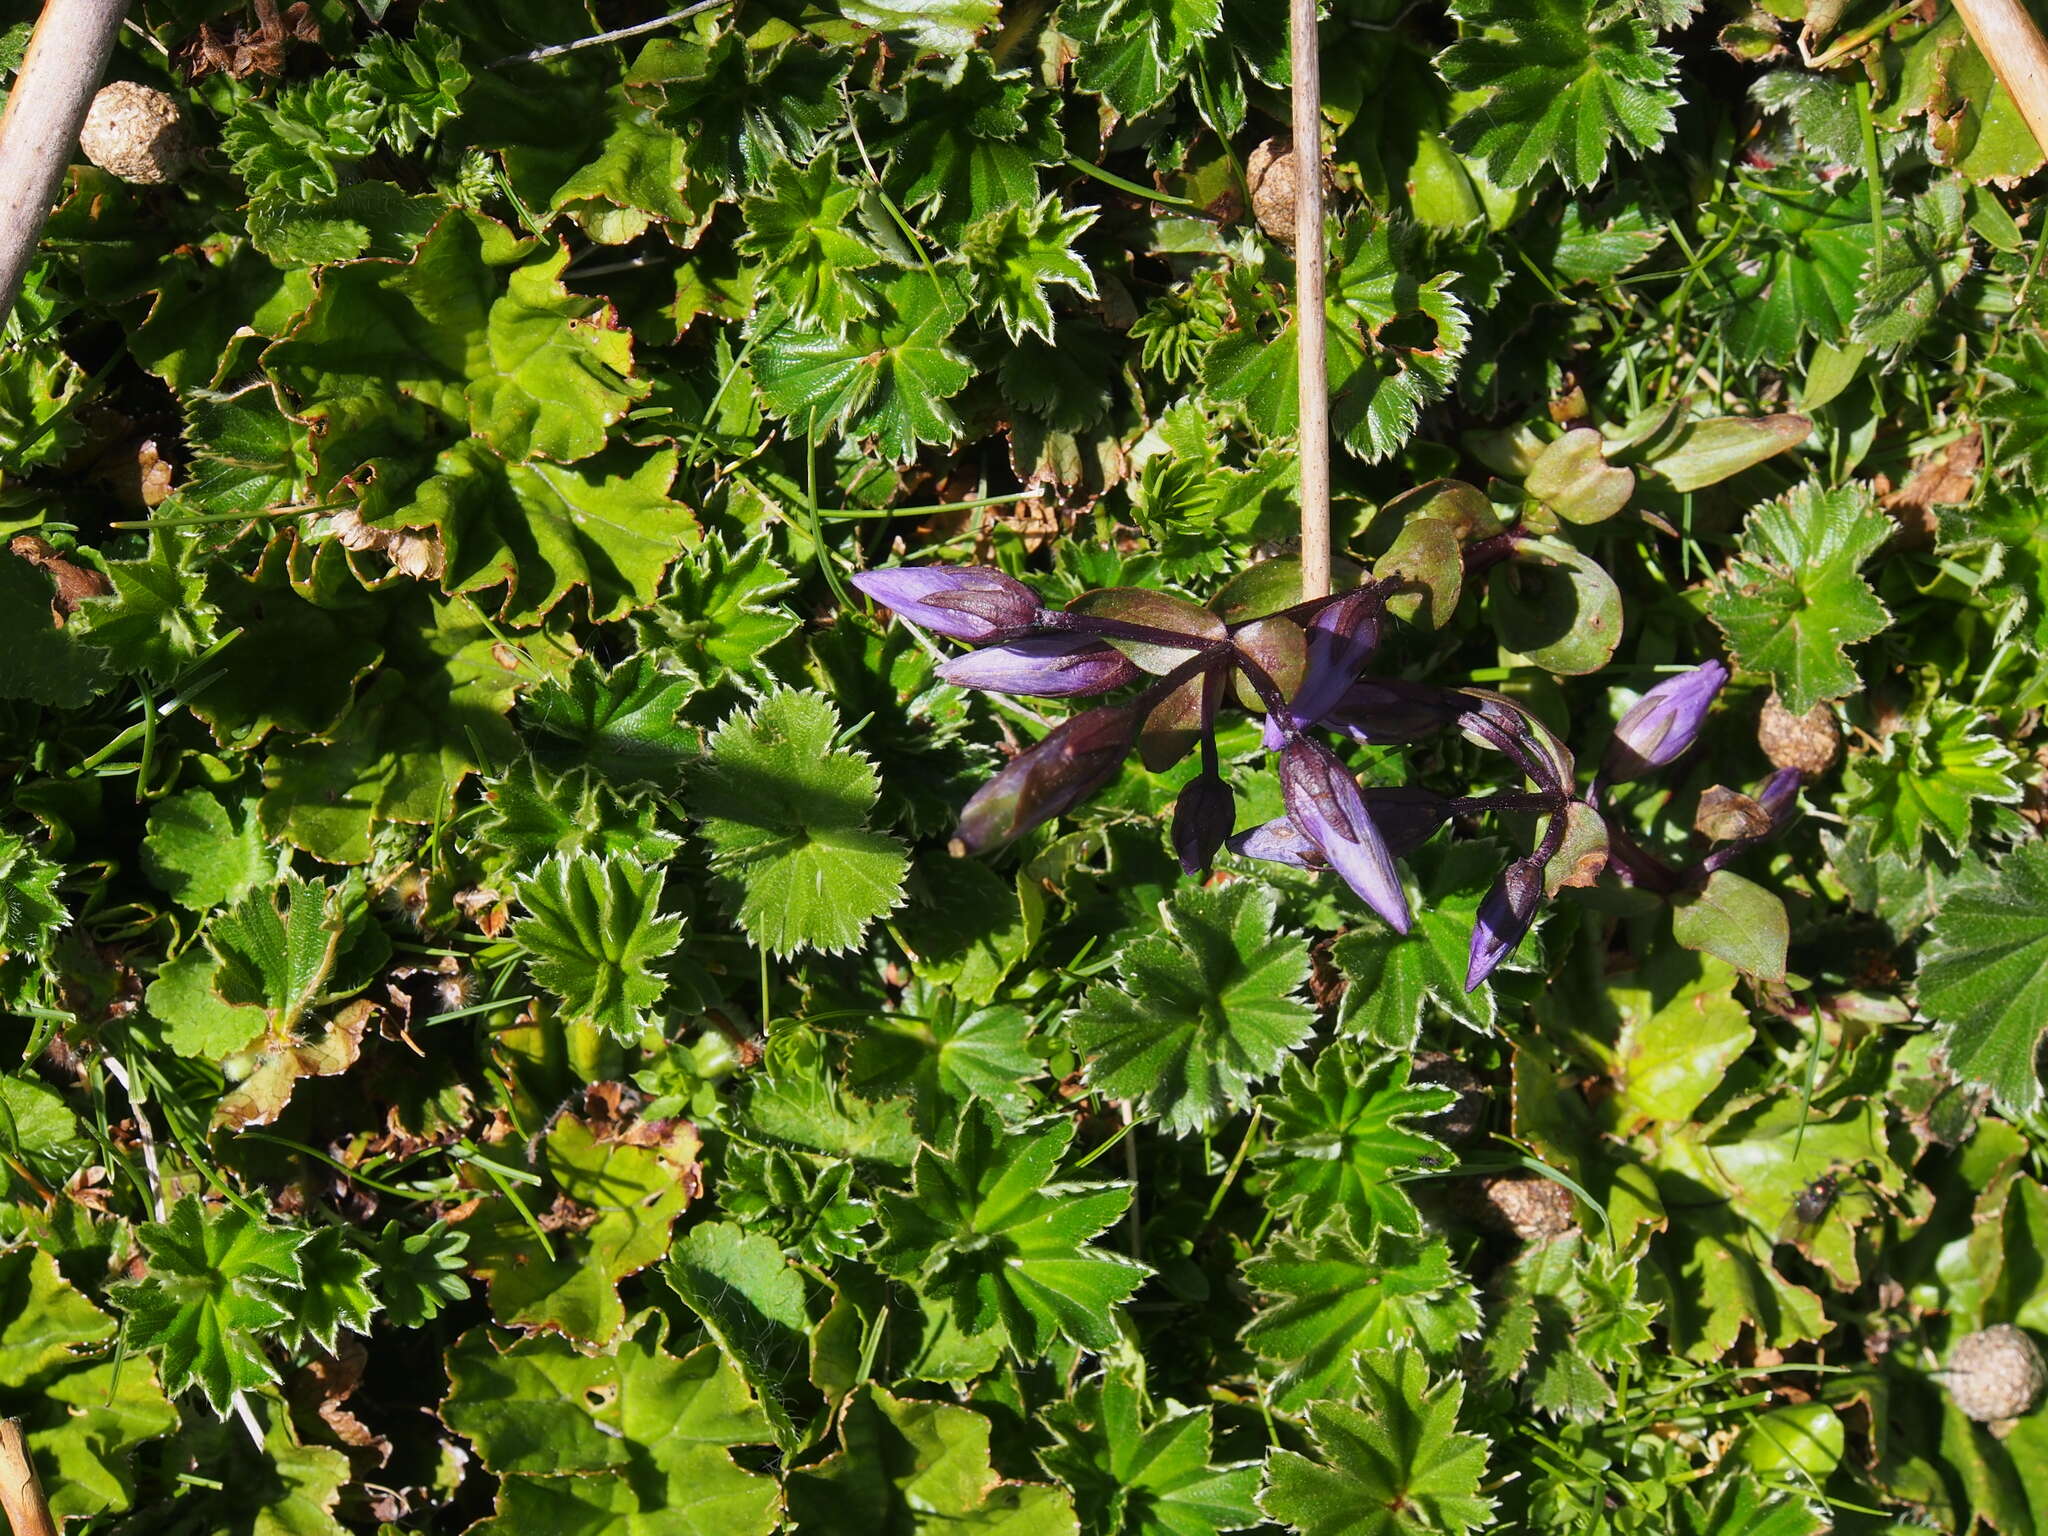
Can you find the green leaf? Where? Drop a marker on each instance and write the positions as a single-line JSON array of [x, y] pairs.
[[532, 816], [1678, 1028], [1398, 1464], [949, 1055], [616, 1201], [1566, 83], [82, 1409], [219, 1283], [1200, 1011], [1791, 602], [751, 1303], [988, 1232], [1799, 275], [204, 852], [1393, 978], [632, 1441], [1708, 452], [1330, 1299], [418, 1273], [621, 724], [2018, 402], [1338, 1134], [913, 1468], [1928, 779], [798, 1099], [46, 662], [30, 910], [1019, 253], [965, 142], [300, 143], [885, 378], [418, 83], [784, 812], [1736, 920], [197, 1022], [1981, 976], [803, 231], [157, 621], [719, 618], [941, 26], [334, 1290], [593, 933], [1145, 1478], [1395, 341]]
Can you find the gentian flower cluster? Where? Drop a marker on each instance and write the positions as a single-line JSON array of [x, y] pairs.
[[1302, 667]]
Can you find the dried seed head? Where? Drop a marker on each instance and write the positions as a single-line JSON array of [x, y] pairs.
[[1533, 1209], [1271, 174], [137, 133], [1807, 742], [1995, 1374]]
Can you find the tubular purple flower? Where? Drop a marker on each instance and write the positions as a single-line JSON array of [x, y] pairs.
[[1322, 799], [1405, 816], [1077, 758], [1779, 794], [1202, 818], [1505, 913], [970, 602], [1662, 723], [1043, 666], [1388, 712], [1341, 639]]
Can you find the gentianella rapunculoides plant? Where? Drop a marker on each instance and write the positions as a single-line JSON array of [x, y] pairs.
[[1302, 666]]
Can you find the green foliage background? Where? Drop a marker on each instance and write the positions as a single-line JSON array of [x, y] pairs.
[[497, 1040]]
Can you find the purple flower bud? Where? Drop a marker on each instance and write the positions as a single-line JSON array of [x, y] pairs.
[[1505, 726], [1043, 666], [1777, 797], [1662, 723], [1505, 914], [1279, 842], [1078, 757], [1202, 818], [1388, 712], [1340, 641], [969, 602], [1323, 800], [1405, 816]]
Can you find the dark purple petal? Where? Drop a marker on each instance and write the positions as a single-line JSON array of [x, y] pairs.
[[1387, 712], [1662, 723], [1406, 817], [1202, 818], [1043, 666], [1323, 800], [1341, 639], [1505, 914], [1493, 721], [1079, 756], [1279, 842], [1780, 792], [969, 602]]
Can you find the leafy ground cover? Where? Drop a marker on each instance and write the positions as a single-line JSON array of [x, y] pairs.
[[679, 856]]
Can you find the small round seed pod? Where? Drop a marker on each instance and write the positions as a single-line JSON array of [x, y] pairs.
[[137, 133], [1996, 1374], [1271, 175], [1807, 742]]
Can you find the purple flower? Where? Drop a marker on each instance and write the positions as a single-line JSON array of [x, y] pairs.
[[1043, 666], [1386, 711], [1279, 842], [1505, 914], [1780, 790], [1078, 757], [1341, 639], [968, 602], [1322, 799], [1662, 723], [1202, 818]]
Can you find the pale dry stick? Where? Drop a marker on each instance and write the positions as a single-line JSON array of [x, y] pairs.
[[2007, 37], [21, 1491], [638, 29], [1312, 381], [39, 129]]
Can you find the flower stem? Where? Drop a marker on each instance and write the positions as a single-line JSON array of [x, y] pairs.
[[1312, 381]]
